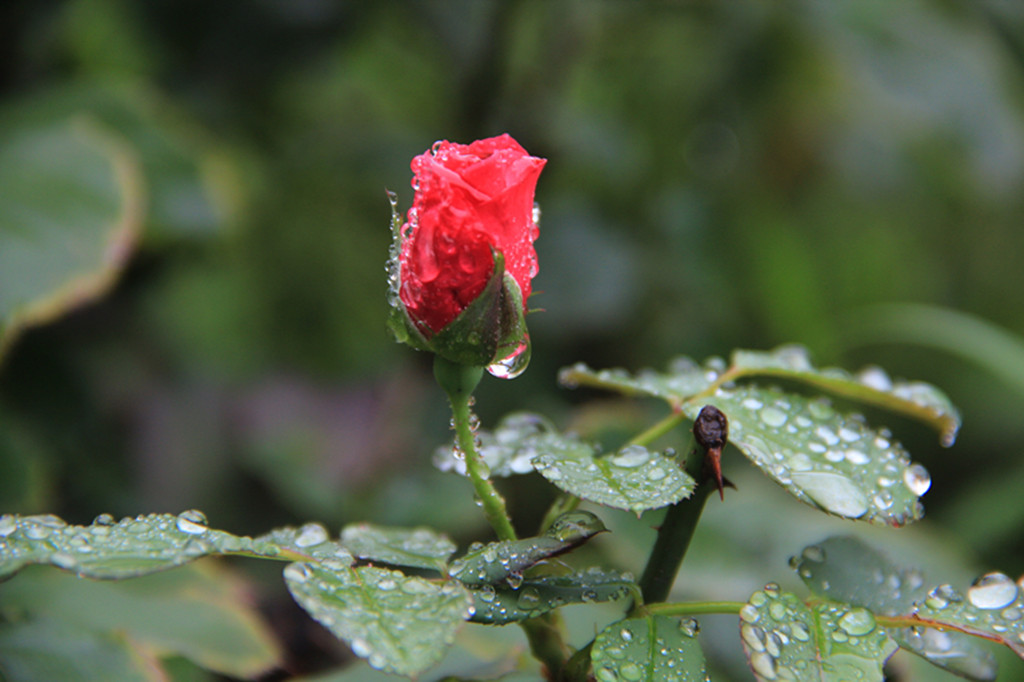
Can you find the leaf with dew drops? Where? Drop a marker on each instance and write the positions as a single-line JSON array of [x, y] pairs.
[[683, 379], [649, 649], [503, 603], [635, 479], [848, 570], [686, 381], [827, 459], [414, 547], [786, 639], [872, 385], [399, 624], [506, 560], [510, 448], [134, 546]]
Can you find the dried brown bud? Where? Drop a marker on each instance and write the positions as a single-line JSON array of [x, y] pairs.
[[711, 428]]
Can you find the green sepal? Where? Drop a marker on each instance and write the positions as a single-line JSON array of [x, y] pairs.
[[491, 328], [474, 337]]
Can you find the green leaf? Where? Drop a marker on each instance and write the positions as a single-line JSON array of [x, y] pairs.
[[310, 541], [506, 560], [513, 444], [685, 382], [848, 570], [822, 457], [503, 603], [683, 379], [635, 478], [198, 611], [44, 649], [70, 212], [872, 385], [415, 547], [649, 649], [110, 549], [992, 609], [785, 639], [399, 624]]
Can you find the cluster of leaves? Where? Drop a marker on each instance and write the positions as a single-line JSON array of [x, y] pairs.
[[397, 598]]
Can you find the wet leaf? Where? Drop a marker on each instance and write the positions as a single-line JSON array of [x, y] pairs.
[[635, 478], [415, 547], [683, 379], [505, 561], [501, 603], [70, 214], [309, 541], [872, 385], [649, 649], [822, 457], [848, 570], [134, 546], [399, 624], [199, 611], [785, 639], [46, 649], [512, 446]]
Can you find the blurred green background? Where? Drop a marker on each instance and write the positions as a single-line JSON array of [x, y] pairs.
[[721, 174]]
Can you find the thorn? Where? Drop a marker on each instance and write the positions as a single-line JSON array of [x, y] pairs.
[[711, 431]]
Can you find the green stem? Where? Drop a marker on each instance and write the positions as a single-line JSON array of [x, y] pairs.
[[697, 608], [563, 504], [458, 381], [674, 536], [544, 633], [660, 429]]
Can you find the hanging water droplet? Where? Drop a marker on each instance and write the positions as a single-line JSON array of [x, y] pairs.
[[514, 363], [917, 479], [992, 591], [192, 522]]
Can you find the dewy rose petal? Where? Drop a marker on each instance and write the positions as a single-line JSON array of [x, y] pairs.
[[471, 202]]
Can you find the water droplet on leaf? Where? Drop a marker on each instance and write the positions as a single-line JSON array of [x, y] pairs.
[[192, 522], [992, 591]]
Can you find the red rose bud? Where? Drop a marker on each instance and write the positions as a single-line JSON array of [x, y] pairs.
[[463, 261]]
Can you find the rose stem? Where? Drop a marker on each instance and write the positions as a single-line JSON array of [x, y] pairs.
[[680, 522], [458, 381]]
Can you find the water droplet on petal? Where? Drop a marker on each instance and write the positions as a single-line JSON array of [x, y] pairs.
[[992, 591]]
